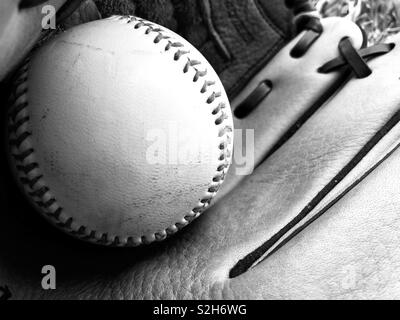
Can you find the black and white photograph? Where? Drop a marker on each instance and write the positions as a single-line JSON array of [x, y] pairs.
[[200, 154]]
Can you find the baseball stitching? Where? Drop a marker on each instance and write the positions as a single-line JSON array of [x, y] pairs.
[[33, 182]]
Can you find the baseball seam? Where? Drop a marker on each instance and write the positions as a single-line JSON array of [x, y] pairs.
[[28, 170]]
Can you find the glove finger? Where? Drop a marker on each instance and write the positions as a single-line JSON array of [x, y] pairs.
[[347, 140]]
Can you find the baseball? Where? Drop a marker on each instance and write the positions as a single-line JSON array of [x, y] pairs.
[[120, 132]]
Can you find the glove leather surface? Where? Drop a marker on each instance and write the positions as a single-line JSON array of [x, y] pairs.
[[345, 247], [349, 250]]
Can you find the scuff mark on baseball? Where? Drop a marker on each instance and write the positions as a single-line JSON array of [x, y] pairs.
[[134, 144]]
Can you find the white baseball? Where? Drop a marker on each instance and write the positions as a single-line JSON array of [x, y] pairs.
[[120, 131]]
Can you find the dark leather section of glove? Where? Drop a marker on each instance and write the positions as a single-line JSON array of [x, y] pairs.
[[238, 37]]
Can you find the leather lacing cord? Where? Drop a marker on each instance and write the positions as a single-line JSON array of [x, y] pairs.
[[354, 59], [307, 19]]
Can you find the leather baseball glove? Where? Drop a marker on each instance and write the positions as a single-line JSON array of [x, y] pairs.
[[318, 215]]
